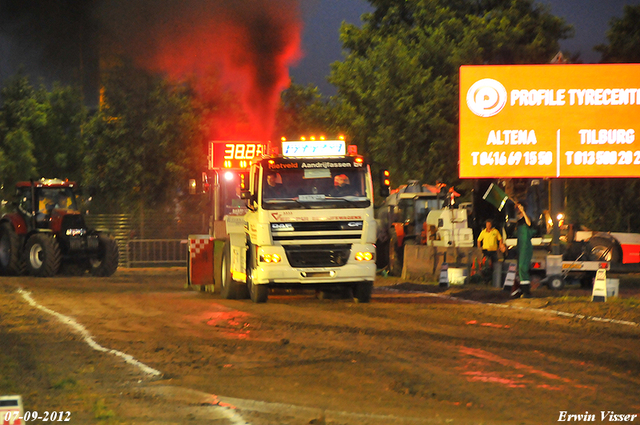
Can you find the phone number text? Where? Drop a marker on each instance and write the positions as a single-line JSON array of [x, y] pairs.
[[512, 158], [602, 157]]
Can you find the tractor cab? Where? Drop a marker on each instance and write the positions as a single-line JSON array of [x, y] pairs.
[[49, 202]]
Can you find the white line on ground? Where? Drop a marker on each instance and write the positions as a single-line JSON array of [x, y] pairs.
[[87, 336], [516, 307], [230, 414]]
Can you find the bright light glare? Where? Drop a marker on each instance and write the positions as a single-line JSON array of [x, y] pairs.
[[228, 176], [270, 258], [364, 256]]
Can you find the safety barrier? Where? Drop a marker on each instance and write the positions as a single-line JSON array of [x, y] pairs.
[[156, 252]]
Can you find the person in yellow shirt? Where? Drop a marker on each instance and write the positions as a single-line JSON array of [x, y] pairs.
[[490, 241]]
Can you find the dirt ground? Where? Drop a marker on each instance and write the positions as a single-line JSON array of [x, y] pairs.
[[417, 353]]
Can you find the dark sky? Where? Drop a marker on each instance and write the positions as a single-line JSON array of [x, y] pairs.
[[322, 19]]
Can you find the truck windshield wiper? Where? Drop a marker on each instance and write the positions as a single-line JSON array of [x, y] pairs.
[[344, 199], [287, 200]]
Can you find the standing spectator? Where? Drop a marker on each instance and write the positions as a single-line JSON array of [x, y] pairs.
[[489, 241], [525, 253]]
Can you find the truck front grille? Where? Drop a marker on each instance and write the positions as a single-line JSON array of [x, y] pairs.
[[318, 255], [317, 230]]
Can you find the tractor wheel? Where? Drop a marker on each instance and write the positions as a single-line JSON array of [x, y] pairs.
[[395, 254], [105, 263], [42, 255], [10, 259]]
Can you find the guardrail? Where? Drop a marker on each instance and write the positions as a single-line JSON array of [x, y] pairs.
[[156, 252]]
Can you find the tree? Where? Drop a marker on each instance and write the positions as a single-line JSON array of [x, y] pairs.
[[624, 38], [59, 141], [604, 204], [398, 84], [40, 132], [144, 140], [19, 108], [303, 112]]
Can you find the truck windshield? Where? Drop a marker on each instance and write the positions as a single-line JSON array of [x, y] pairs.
[[315, 188]]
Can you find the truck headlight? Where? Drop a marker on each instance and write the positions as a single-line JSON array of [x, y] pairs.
[[270, 258], [364, 256]]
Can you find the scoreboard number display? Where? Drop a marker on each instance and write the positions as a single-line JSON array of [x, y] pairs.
[[234, 155]]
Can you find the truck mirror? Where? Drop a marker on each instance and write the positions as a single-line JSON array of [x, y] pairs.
[[245, 194], [205, 183], [385, 183]]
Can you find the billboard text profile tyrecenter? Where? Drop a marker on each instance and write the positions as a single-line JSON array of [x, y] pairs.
[[550, 121]]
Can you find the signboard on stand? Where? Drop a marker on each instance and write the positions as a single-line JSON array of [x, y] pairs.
[[511, 276], [600, 286]]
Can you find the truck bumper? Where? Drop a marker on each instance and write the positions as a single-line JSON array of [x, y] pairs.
[[283, 274], [275, 275]]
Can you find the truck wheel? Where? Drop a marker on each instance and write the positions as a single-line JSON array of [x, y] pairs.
[[229, 288], [106, 262], [10, 260], [395, 254], [42, 255], [604, 248], [362, 292], [555, 282], [258, 293]]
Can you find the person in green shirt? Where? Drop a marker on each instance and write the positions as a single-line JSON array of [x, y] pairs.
[[524, 232]]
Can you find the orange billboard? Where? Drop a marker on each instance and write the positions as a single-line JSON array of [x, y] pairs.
[[549, 121]]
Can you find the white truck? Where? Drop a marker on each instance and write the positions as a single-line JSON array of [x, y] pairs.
[[309, 224]]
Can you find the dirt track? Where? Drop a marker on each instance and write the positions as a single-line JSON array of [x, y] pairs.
[[406, 354]]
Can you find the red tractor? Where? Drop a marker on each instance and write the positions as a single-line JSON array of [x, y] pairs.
[[46, 234]]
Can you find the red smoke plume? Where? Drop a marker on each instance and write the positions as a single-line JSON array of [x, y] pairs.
[[235, 49]]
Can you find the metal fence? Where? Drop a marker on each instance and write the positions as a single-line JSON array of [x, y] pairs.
[[156, 252], [169, 249], [119, 226]]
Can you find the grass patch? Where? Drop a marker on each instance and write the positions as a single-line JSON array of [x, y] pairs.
[[101, 411], [8, 375], [64, 384]]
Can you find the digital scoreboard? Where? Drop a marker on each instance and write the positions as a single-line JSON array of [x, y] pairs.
[[234, 155], [550, 121]]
